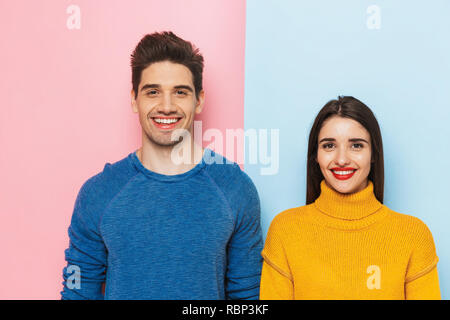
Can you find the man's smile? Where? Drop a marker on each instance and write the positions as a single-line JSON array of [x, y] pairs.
[[165, 123]]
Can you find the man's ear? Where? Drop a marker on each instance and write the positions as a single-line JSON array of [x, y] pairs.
[[200, 102], [133, 102]]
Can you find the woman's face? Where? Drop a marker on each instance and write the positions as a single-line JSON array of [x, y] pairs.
[[344, 154]]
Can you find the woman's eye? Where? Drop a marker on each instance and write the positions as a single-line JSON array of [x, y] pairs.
[[327, 145], [357, 145]]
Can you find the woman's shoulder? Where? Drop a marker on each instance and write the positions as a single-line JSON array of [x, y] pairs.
[[288, 216], [419, 240], [408, 223]]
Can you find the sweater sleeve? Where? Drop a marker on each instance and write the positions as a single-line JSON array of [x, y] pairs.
[[276, 278], [86, 256], [244, 248], [422, 281]]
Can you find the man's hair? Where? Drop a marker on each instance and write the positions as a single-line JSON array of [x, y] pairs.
[[166, 46]]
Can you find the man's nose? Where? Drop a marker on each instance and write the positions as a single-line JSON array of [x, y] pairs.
[[167, 105]]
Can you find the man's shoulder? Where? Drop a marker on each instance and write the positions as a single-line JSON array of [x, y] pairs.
[[223, 169], [228, 176], [113, 176]]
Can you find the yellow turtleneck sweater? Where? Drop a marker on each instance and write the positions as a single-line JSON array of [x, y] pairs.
[[348, 247]]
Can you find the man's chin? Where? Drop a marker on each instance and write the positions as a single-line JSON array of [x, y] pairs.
[[164, 141]]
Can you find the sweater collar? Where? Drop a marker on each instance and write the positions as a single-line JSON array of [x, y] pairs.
[[353, 206], [170, 178]]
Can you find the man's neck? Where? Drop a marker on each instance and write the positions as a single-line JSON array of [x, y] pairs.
[[170, 160]]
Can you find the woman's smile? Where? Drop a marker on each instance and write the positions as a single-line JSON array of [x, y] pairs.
[[343, 173]]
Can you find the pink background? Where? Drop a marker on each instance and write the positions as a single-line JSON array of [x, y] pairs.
[[65, 111]]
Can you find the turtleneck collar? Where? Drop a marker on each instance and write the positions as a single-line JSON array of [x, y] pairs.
[[354, 211]]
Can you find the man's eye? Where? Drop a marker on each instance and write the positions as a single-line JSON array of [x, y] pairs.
[[181, 92], [152, 92]]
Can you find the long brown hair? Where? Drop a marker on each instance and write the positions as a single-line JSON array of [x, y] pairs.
[[345, 107]]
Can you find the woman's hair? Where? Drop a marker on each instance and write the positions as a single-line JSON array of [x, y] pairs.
[[352, 108]]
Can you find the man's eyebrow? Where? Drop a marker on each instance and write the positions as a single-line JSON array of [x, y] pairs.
[[157, 86], [182, 86], [150, 86]]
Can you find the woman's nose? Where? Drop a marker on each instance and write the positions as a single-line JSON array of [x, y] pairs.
[[342, 157]]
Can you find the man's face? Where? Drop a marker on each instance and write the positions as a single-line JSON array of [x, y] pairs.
[[166, 101]]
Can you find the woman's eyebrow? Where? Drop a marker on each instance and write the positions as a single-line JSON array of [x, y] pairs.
[[327, 139], [358, 140], [350, 140]]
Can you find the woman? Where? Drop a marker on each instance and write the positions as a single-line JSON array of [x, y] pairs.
[[344, 243]]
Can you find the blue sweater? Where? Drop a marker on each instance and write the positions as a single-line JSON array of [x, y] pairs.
[[195, 235]]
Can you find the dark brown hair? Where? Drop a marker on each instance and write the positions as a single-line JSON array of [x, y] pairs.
[[166, 46], [345, 107]]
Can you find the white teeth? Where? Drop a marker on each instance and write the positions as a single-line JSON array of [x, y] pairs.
[[159, 120], [343, 172]]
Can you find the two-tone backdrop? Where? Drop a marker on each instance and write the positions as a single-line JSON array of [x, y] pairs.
[[269, 67]]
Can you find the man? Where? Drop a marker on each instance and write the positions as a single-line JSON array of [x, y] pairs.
[[152, 227]]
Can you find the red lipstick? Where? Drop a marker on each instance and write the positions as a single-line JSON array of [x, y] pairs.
[[343, 173]]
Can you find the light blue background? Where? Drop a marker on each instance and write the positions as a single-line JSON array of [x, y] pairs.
[[301, 54]]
